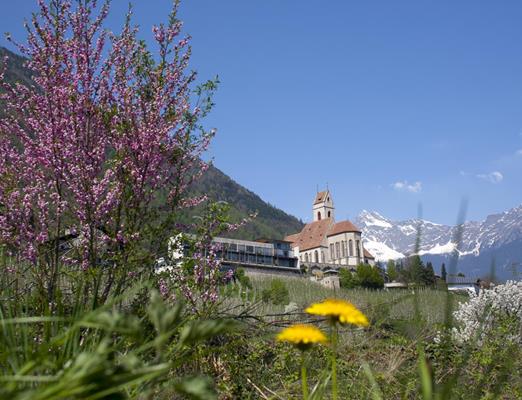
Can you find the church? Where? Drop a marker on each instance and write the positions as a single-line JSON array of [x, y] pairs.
[[325, 241]]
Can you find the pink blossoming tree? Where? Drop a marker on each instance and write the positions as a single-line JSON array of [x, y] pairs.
[[96, 156]]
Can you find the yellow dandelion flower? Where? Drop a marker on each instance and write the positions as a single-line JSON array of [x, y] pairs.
[[339, 311], [301, 335]]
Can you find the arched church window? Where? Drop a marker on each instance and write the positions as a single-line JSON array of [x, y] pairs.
[[350, 247], [332, 255], [337, 253], [319, 215], [322, 257], [306, 257], [329, 214], [316, 256], [358, 248], [343, 248]]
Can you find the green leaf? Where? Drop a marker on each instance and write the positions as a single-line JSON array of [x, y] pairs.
[[425, 375], [201, 330], [164, 318], [197, 388], [319, 390], [375, 390]]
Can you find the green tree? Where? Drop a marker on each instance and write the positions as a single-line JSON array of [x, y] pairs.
[[391, 269], [413, 270], [347, 279], [443, 273], [277, 293], [369, 277], [428, 274]]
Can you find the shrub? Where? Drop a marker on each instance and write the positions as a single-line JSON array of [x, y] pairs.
[[347, 280], [96, 155], [242, 278], [498, 309], [369, 277], [277, 293]]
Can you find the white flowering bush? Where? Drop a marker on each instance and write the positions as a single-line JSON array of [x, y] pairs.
[[175, 255], [494, 311]]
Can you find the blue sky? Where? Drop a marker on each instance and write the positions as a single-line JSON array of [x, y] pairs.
[[391, 103]]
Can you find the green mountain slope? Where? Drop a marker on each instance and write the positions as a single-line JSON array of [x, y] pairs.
[[270, 221], [16, 72]]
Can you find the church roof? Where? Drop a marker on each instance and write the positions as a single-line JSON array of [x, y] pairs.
[[320, 197], [367, 254], [293, 238], [341, 227], [312, 234]]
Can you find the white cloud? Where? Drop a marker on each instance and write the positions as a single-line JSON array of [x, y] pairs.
[[409, 187], [492, 177]]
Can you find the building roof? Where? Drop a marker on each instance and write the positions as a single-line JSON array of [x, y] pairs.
[[367, 254], [312, 235], [268, 240], [462, 280], [341, 227], [320, 197], [391, 285], [293, 238]]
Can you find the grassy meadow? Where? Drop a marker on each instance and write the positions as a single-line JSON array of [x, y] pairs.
[[382, 361], [138, 345]]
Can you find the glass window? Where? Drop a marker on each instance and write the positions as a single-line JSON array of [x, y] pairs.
[[357, 243], [332, 255], [350, 247], [337, 252], [343, 248]]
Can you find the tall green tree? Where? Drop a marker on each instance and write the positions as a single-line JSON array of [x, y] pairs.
[[391, 269], [443, 273], [413, 271], [428, 274]]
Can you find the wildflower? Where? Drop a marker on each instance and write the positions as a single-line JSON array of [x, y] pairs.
[[302, 336], [340, 311]]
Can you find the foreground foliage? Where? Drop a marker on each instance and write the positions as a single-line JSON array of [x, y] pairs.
[[114, 351]]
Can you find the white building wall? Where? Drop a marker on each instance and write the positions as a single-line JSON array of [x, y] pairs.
[[343, 239]]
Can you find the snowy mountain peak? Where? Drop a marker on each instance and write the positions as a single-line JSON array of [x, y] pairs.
[[373, 218], [387, 239]]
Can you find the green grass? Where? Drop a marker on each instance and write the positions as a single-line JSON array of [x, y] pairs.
[[397, 305], [396, 358]]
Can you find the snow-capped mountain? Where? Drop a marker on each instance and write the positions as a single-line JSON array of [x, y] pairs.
[[496, 239]]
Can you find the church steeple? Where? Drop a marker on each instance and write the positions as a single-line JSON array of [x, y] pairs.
[[323, 206]]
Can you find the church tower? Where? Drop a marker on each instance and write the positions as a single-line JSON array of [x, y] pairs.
[[323, 206]]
